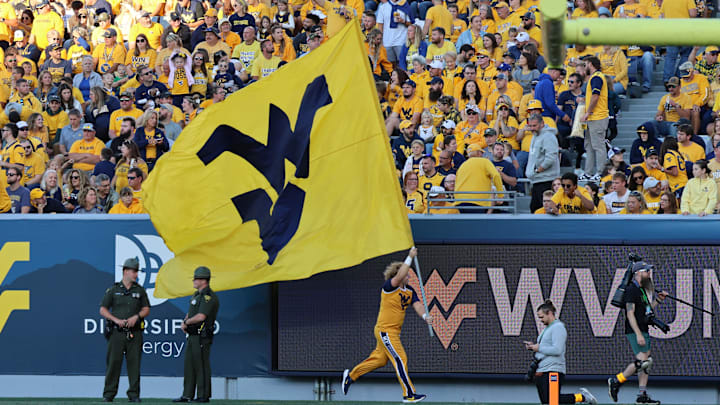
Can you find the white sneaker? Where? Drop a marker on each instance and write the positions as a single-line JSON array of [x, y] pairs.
[[589, 398], [584, 177]]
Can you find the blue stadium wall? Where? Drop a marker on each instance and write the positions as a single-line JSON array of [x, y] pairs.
[[484, 275]]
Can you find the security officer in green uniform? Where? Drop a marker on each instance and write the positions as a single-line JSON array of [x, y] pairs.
[[199, 324], [124, 306]]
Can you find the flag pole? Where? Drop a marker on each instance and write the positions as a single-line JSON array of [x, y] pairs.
[[422, 293]]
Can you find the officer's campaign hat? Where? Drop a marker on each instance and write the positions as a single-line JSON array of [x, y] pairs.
[[131, 263], [202, 272]]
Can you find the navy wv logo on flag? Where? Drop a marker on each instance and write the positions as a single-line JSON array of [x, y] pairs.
[[278, 228]]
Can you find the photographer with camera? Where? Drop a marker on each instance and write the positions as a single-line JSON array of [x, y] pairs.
[[639, 306], [549, 356]]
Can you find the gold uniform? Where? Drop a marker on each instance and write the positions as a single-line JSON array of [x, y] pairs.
[[393, 303], [675, 159], [426, 183]]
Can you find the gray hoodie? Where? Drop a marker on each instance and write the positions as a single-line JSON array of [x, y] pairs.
[[543, 153], [551, 349]]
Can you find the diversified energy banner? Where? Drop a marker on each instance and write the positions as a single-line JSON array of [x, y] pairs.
[[483, 299], [54, 271]]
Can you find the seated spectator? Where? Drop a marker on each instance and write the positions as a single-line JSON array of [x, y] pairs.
[[698, 88], [594, 191], [105, 166], [674, 165], [438, 192], [635, 204], [88, 202], [135, 178], [19, 195], [402, 145], [412, 163], [33, 165], [549, 206], [690, 150], [106, 196], [506, 169], [75, 182], [477, 174], [525, 72], [171, 128], [450, 144], [414, 198], [445, 161], [506, 125], [472, 129], [427, 130], [672, 107], [556, 184], [71, 132], [615, 155], [668, 203], [448, 184], [431, 177], [50, 184], [636, 179], [615, 66], [652, 192], [616, 200], [700, 194], [86, 153], [646, 139], [571, 199], [128, 204], [41, 204], [491, 137], [98, 112]]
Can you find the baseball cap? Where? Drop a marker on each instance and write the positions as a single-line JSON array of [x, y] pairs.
[[409, 83], [502, 4], [212, 12], [712, 49], [615, 151], [436, 80], [88, 127], [534, 104], [650, 182], [54, 97], [685, 69], [436, 64], [473, 147], [314, 35], [144, 14], [501, 76], [54, 47], [42, 4], [225, 20], [174, 16], [22, 124], [490, 132], [213, 30], [604, 11], [405, 124], [103, 16], [651, 151], [19, 35], [529, 15], [36, 193], [504, 67], [125, 95], [682, 121], [522, 37], [674, 81], [165, 94], [483, 52], [436, 190], [449, 124], [508, 55], [472, 107], [110, 32]]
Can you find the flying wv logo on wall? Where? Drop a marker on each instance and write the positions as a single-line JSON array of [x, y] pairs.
[[441, 297], [278, 228], [14, 300]]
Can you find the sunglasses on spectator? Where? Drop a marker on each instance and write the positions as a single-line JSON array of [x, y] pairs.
[[75, 177], [11, 174], [28, 147], [503, 109], [565, 185], [82, 15], [671, 86], [198, 58], [638, 178], [12, 60], [471, 113], [23, 129], [132, 178], [140, 40], [571, 81]]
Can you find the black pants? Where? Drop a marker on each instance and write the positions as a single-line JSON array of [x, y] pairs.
[[119, 346], [537, 194], [197, 368], [543, 388]]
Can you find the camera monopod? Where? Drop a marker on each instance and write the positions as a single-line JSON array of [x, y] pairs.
[[687, 303]]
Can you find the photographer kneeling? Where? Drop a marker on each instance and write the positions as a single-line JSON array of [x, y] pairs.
[[549, 355], [638, 316]]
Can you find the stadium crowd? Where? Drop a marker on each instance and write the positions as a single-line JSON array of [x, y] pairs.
[[96, 91]]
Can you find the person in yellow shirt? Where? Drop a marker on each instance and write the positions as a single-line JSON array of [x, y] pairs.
[[505, 20], [142, 55], [698, 88], [672, 107], [528, 24], [127, 109], [438, 16], [45, 21], [615, 65], [477, 174], [8, 19], [265, 63], [653, 167], [80, 47], [485, 69], [500, 92], [98, 34], [548, 204], [584, 9], [127, 204], [700, 194], [226, 35], [109, 55], [33, 165], [571, 199], [258, 10], [439, 46], [415, 199], [408, 107], [652, 192], [248, 50], [338, 13], [635, 204], [284, 48], [213, 44], [397, 295], [674, 165], [691, 151], [506, 126], [22, 101], [458, 26], [55, 118], [152, 30], [86, 152], [471, 131], [5, 201]]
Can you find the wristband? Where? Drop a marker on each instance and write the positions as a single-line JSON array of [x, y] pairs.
[[408, 261], [425, 315]]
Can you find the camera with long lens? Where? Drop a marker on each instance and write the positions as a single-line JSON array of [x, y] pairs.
[[532, 369], [618, 299], [652, 320]]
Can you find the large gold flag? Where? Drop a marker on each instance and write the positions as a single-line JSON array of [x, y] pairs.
[[289, 177]]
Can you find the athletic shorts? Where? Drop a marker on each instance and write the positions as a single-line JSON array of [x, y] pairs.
[[634, 344]]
